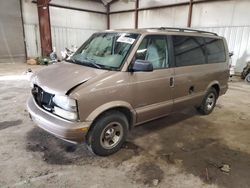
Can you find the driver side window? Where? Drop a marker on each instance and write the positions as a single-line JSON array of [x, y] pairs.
[[154, 49]]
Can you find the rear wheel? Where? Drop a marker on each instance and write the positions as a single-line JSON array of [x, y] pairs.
[[208, 102], [247, 79], [108, 133]]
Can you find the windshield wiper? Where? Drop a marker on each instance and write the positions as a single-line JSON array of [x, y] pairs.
[[88, 61], [74, 61]]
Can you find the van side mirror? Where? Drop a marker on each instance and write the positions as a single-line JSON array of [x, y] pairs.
[[142, 66]]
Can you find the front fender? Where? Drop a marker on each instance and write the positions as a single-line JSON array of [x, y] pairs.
[[111, 105]]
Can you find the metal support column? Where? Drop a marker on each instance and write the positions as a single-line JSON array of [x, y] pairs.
[[136, 13], [190, 12], [44, 26], [108, 16]]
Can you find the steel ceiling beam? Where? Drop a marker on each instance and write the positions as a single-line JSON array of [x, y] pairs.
[[73, 8]]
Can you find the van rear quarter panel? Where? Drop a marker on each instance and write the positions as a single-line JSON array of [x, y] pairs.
[[201, 78]]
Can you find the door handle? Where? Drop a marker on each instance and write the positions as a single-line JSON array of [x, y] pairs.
[[171, 81]]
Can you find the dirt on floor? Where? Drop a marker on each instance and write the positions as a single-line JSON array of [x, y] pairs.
[[184, 149]]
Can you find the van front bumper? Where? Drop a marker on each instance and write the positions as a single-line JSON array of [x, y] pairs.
[[70, 131]]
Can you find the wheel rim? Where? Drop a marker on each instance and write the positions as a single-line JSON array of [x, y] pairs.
[[210, 101], [111, 135], [248, 78]]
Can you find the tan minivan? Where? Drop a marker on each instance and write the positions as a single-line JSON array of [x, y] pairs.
[[121, 78]]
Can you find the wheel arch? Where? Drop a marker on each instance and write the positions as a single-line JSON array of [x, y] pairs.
[[216, 86], [120, 106]]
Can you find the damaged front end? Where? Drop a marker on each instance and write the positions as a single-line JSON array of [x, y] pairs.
[[57, 113], [60, 105]]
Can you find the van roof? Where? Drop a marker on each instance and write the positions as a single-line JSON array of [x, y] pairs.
[[170, 30]]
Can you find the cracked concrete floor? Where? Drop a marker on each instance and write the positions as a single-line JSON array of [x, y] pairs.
[[182, 150]]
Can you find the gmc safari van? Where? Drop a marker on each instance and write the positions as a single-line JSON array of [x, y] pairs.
[[122, 78]]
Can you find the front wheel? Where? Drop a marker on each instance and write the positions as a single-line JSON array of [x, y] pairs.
[[108, 133], [208, 102]]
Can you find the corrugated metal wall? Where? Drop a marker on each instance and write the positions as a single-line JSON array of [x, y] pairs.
[[68, 37], [12, 47], [32, 40], [127, 20], [68, 27], [174, 17], [61, 37]]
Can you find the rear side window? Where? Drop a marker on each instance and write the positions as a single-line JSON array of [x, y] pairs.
[[189, 50], [215, 50]]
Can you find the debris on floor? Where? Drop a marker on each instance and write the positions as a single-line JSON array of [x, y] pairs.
[[225, 168], [155, 182], [31, 62]]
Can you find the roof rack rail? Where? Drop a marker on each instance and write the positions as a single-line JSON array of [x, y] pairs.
[[184, 30]]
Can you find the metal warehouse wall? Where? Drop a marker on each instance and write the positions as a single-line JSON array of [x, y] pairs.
[[228, 18], [124, 20], [12, 47], [68, 27]]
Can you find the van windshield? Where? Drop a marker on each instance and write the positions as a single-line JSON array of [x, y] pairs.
[[105, 50]]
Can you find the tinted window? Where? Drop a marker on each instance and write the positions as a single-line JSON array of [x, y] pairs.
[[189, 50], [154, 49], [215, 50]]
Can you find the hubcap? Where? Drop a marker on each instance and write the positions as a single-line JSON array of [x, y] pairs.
[[248, 78], [210, 101], [111, 135]]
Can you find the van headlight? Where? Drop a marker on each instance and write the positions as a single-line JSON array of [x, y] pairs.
[[65, 107]]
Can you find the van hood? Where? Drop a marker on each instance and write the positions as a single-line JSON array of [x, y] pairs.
[[59, 78]]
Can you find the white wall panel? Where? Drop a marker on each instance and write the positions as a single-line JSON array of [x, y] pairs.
[[175, 16], [12, 47], [76, 19], [32, 40], [30, 15], [241, 13], [124, 20], [122, 5], [67, 37], [230, 13], [150, 3]]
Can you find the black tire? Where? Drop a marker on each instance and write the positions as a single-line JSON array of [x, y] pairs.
[[99, 137], [247, 78], [207, 107]]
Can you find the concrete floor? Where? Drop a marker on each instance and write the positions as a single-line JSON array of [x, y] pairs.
[[182, 150]]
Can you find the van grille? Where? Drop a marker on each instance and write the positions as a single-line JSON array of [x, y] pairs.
[[42, 98]]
